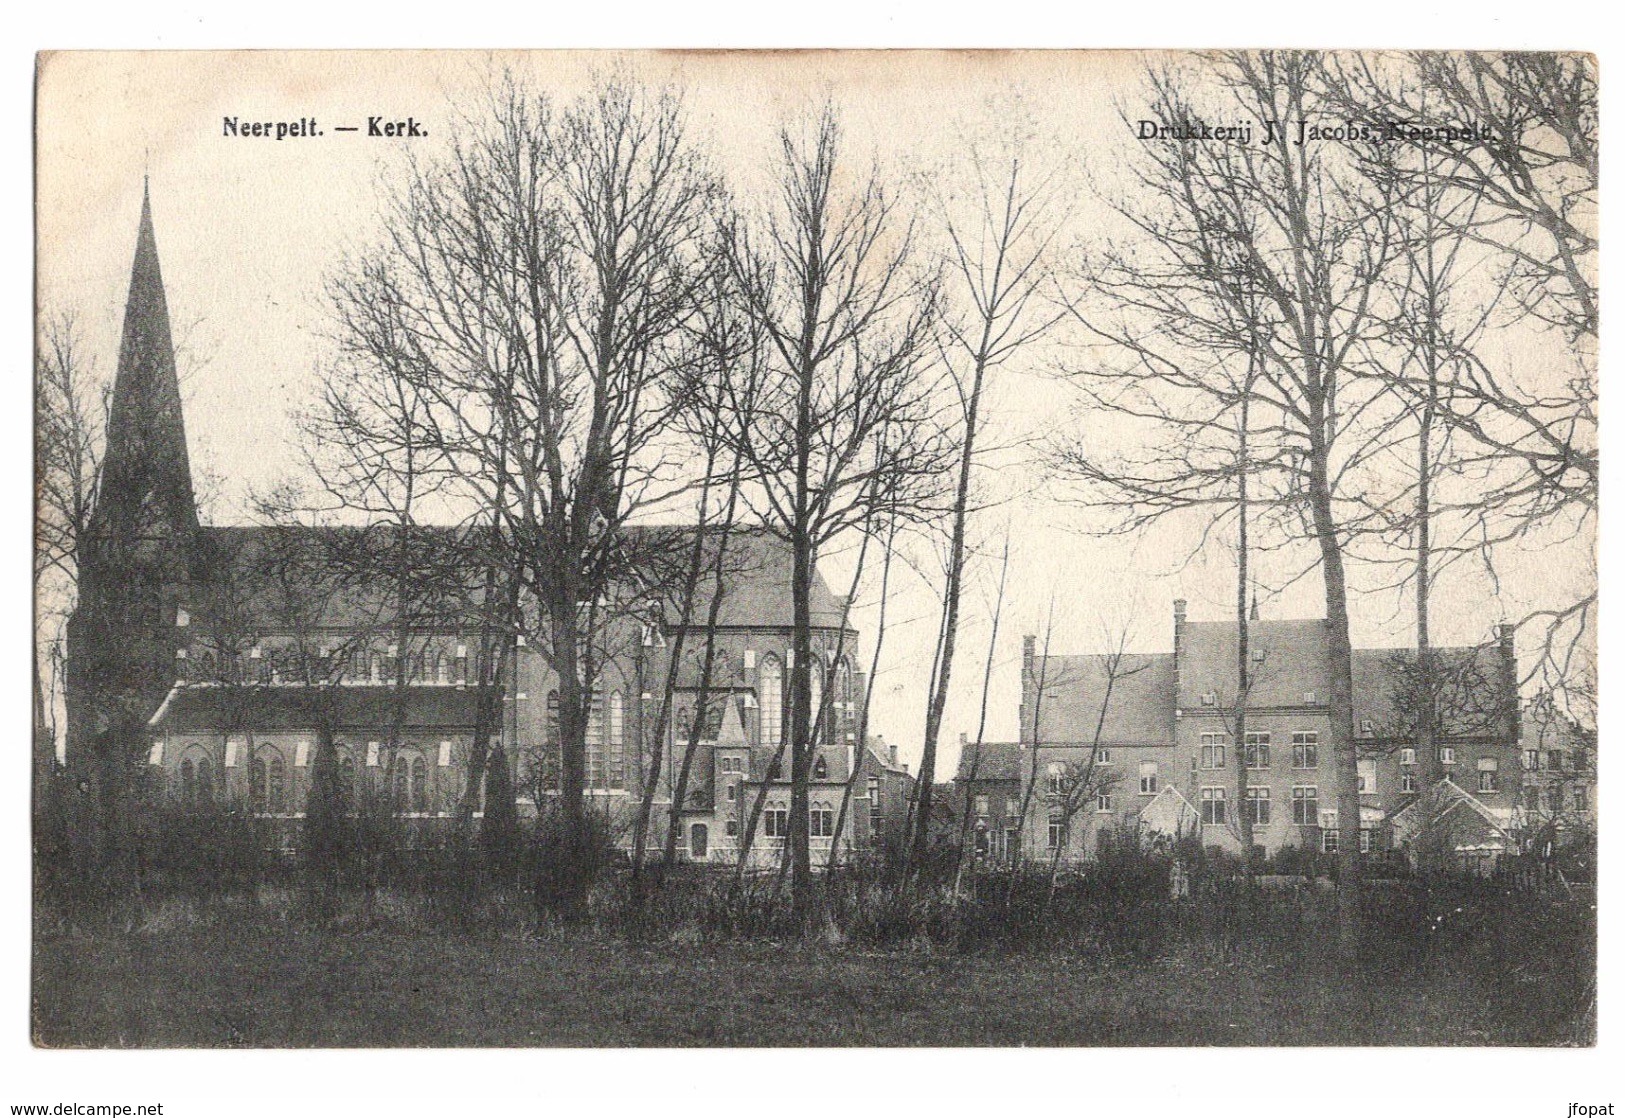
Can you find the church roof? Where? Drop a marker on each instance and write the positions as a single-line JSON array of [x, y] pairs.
[[222, 709], [146, 479], [334, 576]]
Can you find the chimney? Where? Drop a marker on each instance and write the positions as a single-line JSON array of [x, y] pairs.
[[1179, 614], [891, 755], [1504, 634], [1253, 615], [962, 741]]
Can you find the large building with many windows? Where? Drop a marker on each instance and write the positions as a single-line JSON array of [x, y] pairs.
[[1149, 741], [260, 646]]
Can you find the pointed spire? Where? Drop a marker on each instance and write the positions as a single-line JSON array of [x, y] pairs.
[[146, 489]]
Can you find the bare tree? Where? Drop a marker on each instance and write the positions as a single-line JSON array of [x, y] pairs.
[[841, 416], [1275, 250], [70, 419], [998, 261], [1522, 191], [535, 286]]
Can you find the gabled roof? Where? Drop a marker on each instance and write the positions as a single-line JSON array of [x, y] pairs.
[[990, 760], [1439, 801], [756, 568], [1295, 662], [1168, 812], [1137, 698], [336, 576]]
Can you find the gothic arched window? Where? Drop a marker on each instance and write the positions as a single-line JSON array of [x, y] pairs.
[[771, 688]]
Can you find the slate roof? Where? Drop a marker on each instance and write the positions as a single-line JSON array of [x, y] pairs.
[[1139, 703], [757, 566], [1294, 661], [991, 760], [299, 577], [208, 708]]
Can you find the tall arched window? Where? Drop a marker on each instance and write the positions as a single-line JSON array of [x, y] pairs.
[[553, 717], [420, 786], [771, 686], [617, 740], [843, 696], [267, 777], [440, 672], [817, 716], [188, 783], [205, 781], [347, 777], [275, 794]]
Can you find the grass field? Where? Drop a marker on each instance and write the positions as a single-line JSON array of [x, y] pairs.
[[247, 983]]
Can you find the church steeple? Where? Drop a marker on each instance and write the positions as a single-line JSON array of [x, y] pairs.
[[140, 546], [146, 487]]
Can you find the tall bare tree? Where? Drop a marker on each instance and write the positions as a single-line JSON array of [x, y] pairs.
[[998, 253], [1273, 250], [842, 421], [536, 283]]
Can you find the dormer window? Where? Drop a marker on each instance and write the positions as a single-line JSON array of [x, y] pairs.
[[1259, 654], [1210, 698]]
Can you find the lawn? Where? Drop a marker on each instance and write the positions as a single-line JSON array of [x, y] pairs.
[[243, 983]]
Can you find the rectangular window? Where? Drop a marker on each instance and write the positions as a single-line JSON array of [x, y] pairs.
[[1057, 778], [1258, 751], [1103, 802], [731, 828], [1057, 832], [1407, 756], [1258, 807], [1305, 749], [1148, 778], [1210, 698], [1212, 806], [1365, 840], [1366, 728], [1579, 798], [1328, 840], [1407, 781], [1012, 806], [1305, 805], [1531, 759], [733, 791], [1554, 759], [1213, 751], [981, 807], [1447, 755], [1366, 776], [776, 821], [1488, 770], [1103, 756], [820, 822]]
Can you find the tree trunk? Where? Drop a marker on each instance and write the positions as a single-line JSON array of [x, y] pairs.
[[1339, 655], [800, 728]]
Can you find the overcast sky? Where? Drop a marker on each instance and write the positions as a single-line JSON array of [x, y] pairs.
[[248, 228]]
